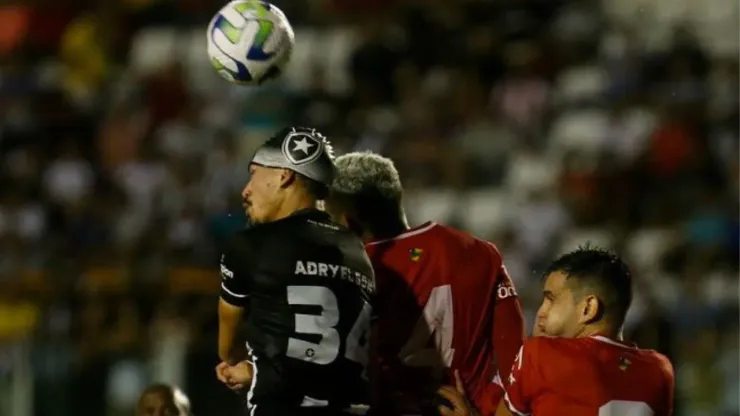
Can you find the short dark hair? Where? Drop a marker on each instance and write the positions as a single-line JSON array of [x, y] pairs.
[[599, 272]]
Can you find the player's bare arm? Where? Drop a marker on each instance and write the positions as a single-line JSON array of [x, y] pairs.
[[232, 303], [229, 317]]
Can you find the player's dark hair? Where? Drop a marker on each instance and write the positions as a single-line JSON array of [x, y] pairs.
[[599, 272]]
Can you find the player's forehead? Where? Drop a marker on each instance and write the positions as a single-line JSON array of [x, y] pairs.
[[257, 168], [555, 283]]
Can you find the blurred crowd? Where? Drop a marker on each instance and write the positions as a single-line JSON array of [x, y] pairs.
[[539, 125]]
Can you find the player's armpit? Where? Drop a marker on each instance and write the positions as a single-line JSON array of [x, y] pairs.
[[229, 317]]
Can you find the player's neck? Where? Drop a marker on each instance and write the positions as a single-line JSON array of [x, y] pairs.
[[388, 229], [294, 204], [596, 330]]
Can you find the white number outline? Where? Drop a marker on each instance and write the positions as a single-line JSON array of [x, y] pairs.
[[625, 408], [437, 319], [357, 346], [327, 350]]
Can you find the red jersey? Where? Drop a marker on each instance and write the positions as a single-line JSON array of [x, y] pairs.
[[444, 301], [589, 376]]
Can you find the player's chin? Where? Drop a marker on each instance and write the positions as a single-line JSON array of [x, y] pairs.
[[252, 214]]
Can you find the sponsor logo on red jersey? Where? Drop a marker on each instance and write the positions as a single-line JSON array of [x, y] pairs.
[[624, 363], [415, 254], [505, 288]]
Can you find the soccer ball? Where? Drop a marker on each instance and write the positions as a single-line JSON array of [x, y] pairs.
[[249, 42]]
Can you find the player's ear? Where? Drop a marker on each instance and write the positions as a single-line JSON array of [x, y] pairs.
[[287, 177], [591, 309]]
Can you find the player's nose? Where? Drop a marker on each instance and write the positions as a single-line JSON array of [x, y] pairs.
[[541, 315]]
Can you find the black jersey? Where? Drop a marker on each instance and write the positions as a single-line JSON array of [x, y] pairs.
[[306, 285]]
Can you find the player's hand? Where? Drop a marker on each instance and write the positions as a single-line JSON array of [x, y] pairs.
[[221, 372], [235, 377], [456, 396], [239, 375]]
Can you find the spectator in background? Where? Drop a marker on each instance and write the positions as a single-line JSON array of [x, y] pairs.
[[163, 400], [14, 24], [85, 56]]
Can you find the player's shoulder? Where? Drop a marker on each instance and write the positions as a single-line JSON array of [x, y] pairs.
[[298, 223], [653, 359], [659, 361], [560, 352], [241, 239], [454, 237], [653, 364], [539, 344], [457, 242], [537, 351], [536, 347], [556, 346]]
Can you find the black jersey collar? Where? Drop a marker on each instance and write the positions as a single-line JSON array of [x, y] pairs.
[[311, 214], [306, 214]]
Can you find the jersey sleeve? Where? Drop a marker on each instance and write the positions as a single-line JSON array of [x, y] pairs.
[[234, 278], [669, 386], [507, 335], [508, 332], [520, 383]]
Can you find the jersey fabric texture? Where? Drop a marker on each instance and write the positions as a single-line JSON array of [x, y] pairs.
[[444, 301], [589, 376], [306, 286]]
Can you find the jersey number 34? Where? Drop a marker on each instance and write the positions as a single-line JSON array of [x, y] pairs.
[[327, 349]]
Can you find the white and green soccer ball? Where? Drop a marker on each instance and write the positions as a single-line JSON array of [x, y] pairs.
[[249, 42]]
